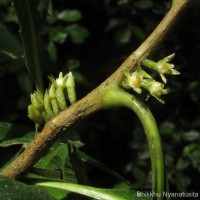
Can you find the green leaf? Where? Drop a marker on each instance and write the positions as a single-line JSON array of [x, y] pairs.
[[189, 149], [24, 141], [114, 22], [138, 32], [52, 51], [79, 78], [58, 34], [14, 190], [97, 193], [73, 64], [182, 164], [70, 15], [122, 2], [145, 4], [11, 130], [123, 36], [25, 83], [55, 159], [77, 33], [4, 129], [45, 7], [65, 159], [30, 29], [191, 135], [86, 158], [9, 43]]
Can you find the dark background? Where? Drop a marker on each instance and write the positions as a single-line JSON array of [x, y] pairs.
[[105, 35]]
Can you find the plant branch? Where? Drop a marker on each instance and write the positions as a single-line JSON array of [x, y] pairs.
[[93, 101], [117, 97]]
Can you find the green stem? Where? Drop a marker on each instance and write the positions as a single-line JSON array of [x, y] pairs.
[[116, 97], [150, 64]]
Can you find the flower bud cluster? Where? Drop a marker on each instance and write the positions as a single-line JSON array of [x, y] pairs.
[[42, 108], [141, 79]]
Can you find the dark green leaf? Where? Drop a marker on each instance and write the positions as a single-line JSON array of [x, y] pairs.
[[77, 165], [122, 2], [52, 51], [65, 159], [123, 36], [25, 82], [113, 23], [4, 2], [45, 7], [101, 166], [13, 46], [10, 130], [30, 29], [77, 33], [4, 129], [182, 164], [79, 78], [191, 135], [70, 15], [138, 32], [14, 190], [145, 4], [190, 148], [58, 35], [166, 127], [73, 64]]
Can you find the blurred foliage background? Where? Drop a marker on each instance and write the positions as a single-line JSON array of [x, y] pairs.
[[91, 38]]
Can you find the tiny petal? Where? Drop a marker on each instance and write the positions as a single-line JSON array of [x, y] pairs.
[[70, 81], [157, 89], [163, 78], [174, 72], [135, 81], [169, 58], [52, 91], [164, 67], [37, 101]]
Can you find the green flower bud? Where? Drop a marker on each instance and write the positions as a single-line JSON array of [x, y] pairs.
[[44, 115], [164, 67], [60, 81], [60, 96], [34, 114], [47, 105], [54, 102], [59, 84], [37, 101], [70, 85], [52, 91]]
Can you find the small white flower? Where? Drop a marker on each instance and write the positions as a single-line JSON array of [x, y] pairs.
[[135, 80], [156, 89]]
